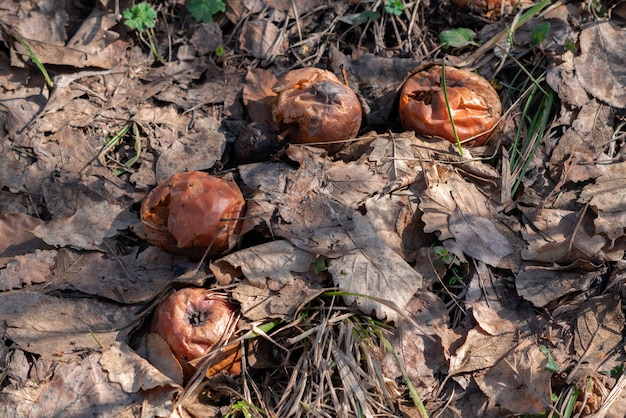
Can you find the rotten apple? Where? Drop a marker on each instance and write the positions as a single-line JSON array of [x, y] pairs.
[[194, 321], [474, 105], [193, 211], [313, 106]]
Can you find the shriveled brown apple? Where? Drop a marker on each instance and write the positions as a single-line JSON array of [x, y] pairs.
[[474, 105], [313, 106], [191, 212], [195, 321]]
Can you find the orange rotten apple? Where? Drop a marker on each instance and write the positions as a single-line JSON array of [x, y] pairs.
[[191, 211], [474, 104], [312, 105], [194, 321]]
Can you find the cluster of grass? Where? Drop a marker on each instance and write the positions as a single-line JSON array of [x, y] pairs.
[[329, 363]]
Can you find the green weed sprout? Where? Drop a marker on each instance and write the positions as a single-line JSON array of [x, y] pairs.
[[244, 408], [142, 18], [395, 7], [456, 38], [204, 10]]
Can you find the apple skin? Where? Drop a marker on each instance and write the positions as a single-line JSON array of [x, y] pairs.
[[191, 211], [474, 104], [313, 106], [193, 321]]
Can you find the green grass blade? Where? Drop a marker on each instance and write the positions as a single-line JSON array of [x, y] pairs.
[[38, 63], [445, 95]]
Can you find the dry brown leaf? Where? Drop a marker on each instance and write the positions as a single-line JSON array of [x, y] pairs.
[[137, 377], [87, 228], [294, 6], [544, 286], [598, 331], [130, 278], [159, 354], [446, 192], [396, 219], [93, 45], [27, 269], [258, 94], [555, 235], [16, 237], [316, 202], [196, 151], [479, 238], [457, 209], [82, 389], [394, 157], [371, 268], [561, 77], [275, 260], [599, 67], [481, 351], [582, 143], [71, 326], [607, 197], [261, 303], [519, 382], [509, 312], [262, 39], [351, 183], [418, 343], [489, 320]]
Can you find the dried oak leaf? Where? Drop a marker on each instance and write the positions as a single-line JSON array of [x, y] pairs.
[[262, 39], [71, 326], [607, 197], [275, 260], [418, 343], [394, 157], [258, 94], [15, 228], [543, 286], [261, 303], [598, 331], [559, 236], [599, 67], [87, 228], [130, 278], [27, 269], [457, 209], [127, 369], [315, 208], [83, 388], [481, 351], [372, 268], [519, 382]]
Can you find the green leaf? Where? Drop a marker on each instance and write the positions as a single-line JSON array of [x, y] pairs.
[[457, 38], [540, 33], [140, 16], [203, 10], [395, 7], [551, 366]]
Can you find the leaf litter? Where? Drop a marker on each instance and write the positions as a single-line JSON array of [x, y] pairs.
[[397, 277]]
